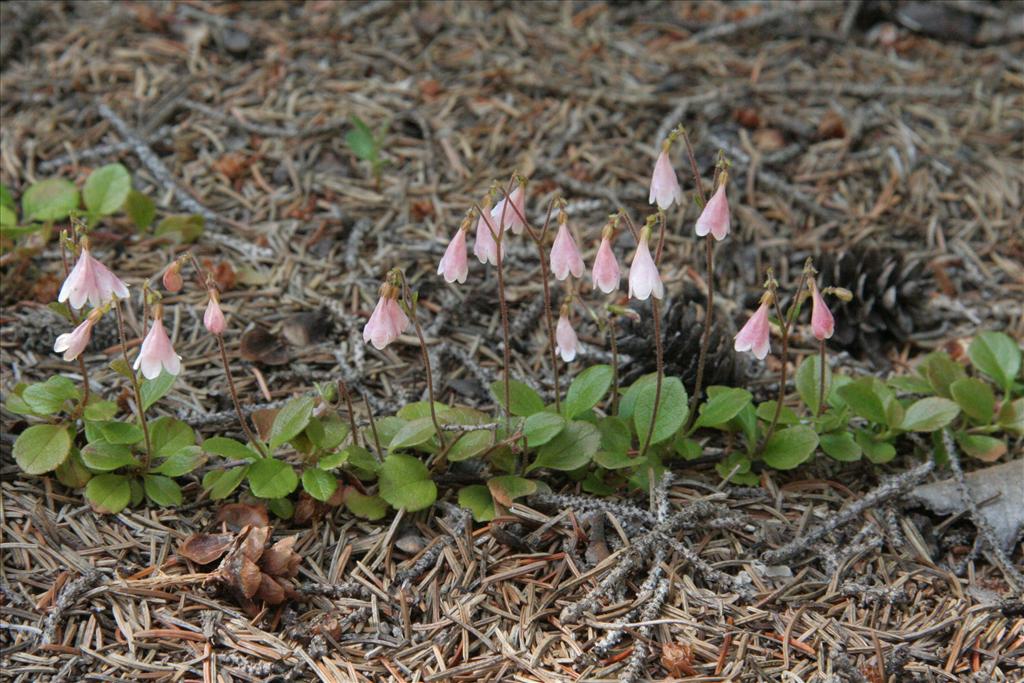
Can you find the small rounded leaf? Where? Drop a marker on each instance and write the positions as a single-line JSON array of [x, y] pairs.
[[106, 189], [42, 448]]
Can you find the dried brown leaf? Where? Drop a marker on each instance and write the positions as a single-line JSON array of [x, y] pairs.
[[205, 548], [270, 591], [240, 515], [261, 346], [280, 559]]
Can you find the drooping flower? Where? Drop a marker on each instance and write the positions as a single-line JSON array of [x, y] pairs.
[[753, 336], [664, 184], [566, 341], [485, 247], [512, 221], [605, 273], [213, 318], [172, 278], [714, 218], [74, 342], [388, 320], [565, 255], [822, 322], [91, 281], [644, 279], [454, 264], [156, 351]]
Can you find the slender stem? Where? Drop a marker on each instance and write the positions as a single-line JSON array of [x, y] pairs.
[[821, 385], [81, 363], [693, 168], [612, 333], [785, 322], [705, 340], [373, 428], [507, 355], [426, 362], [351, 413], [234, 398], [135, 385], [656, 312]]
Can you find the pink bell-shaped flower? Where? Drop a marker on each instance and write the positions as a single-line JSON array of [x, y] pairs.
[[565, 255], [714, 218], [605, 273], [566, 341], [156, 352], [387, 321], [213, 317], [454, 264], [754, 335], [91, 281], [485, 247], [664, 185], [73, 343], [512, 220], [822, 322], [644, 280]]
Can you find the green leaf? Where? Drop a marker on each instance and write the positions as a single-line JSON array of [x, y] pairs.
[[49, 200], [270, 478], [415, 433], [220, 483], [361, 141], [985, 448], [327, 432], [6, 198], [229, 448], [688, 449], [507, 488], [362, 461], [525, 401], [587, 390], [841, 446], [367, 507], [541, 427], [333, 460], [100, 411], [996, 355], [736, 468], [722, 405], [766, 411], [929, 414], [941, 371], [671, 414], [387, 428], [107, 457], [574, 447], [106, 189], [470, 445], [975, 397], [170, 436], [163, 491], [808, 383], [877, 452], [72, 472], [1011, 416], [281, 507], [869, 398], [746, 422], [184, 461], [108, 493], [418, 409], [155, 389], [790, 447], [615, 434], [8, 218], [595, 484], [121, 432], [48, 398], [42, 448], [616, 460], [183, 227], [628, 403], [477, 499], [405, 483], [911, 384], [290, 421], [319, 484], [140, 209]]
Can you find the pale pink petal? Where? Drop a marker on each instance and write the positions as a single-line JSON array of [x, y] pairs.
[[565, 339], [714, 218], [512, 221], [754, 336], [664, 185], [386, 323], [822, 322], [213, 318], [74, 342], [565, 255], [644, 279], [605, 273], [157, 352], [484, 247], [454, 265], [91, 281]]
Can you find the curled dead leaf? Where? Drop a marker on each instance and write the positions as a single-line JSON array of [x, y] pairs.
[[261, 346], [308, 327], [280, 559], [205, 548], [240, 515], [306, 509], [253, 541], [270, 591]]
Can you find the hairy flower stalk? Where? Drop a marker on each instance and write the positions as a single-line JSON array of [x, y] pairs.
[[823, 326], [785, 323], [398, 277], [495, 233], [137, 390], [74, 318], [649, 283]]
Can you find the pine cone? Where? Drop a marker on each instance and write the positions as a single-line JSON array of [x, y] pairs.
[[888, 304], [682, 329]]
